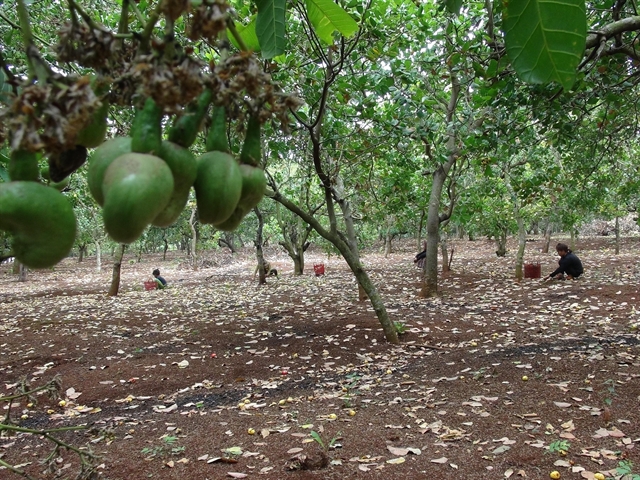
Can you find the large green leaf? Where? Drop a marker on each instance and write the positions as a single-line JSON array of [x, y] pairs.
[[327, 17], [270, 27], [248, 35], [545, 39]]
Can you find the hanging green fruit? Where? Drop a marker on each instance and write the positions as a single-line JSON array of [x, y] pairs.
[[185, 129], [217, 136], [146, 130], [218, 186], [254, 181], [93, 134], [251, 148], [23, 166], [41, 221], [254, 184], [136, 187], [184, 168], [100, 160]]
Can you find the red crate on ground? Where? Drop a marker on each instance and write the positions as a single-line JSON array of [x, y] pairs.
[[150, 285], [318, 268], [532, 270]]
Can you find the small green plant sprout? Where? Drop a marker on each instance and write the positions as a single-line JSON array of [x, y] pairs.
[[559, 446], [400, 327], [167, 447], [610, 391], [625, 470], [325, 446]]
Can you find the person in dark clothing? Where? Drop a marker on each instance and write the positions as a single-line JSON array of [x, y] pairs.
[[419, 260], [161, 282], [569, 264]]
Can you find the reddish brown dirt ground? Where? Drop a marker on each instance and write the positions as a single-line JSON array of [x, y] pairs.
[[493, 379]]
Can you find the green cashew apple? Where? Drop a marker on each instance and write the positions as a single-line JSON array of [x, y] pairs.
[[100, 160], [92, 134], [60, 186], [41, 221], [254, 184], [23, 165], [218, 186], [184, 169], [136, 187]]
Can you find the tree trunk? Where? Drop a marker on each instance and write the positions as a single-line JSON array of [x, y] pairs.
[[547, 238], [420, 227], [16, 266], [194, 239], [352, 241], [354, 264], [115, 276], [166, 247], [98, 257], [445, 255], [572, 243], [430, 281], [294, 239], [22, 276], [522, 242], [82, 250], [501, 242], [617, 235], [262, 273], [388, 235]]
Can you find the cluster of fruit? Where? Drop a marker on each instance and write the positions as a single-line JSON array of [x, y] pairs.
[[138, 181]]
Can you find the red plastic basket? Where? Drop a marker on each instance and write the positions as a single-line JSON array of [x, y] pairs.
[[150, 285], [318, 269], [532, 270]]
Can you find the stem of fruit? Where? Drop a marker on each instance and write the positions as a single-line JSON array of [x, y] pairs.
[[34, 62], [169, 38], [88, 20], [137, 13], [148, 28], [232, 28]]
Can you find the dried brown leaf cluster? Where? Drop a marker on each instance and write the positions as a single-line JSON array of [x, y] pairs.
[[174, 8], [89, 47], [172, 84], [208, 20], [50, 116], [242, 80]]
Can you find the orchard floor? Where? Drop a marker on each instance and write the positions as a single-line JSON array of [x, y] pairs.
[[493, 379]]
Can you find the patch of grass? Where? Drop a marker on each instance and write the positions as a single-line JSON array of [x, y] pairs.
[[400, 327], [559, 446]]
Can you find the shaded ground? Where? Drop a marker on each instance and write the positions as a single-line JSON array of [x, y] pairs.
[[494, 379]]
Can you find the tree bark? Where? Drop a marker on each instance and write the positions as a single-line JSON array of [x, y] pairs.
[[294, 239], [22, 276], [445, 255], [262, 273], [115, 275], [98, 256], [547, 238], [522, 242], [501, 242], [617, 252], [82, 250], [420, 227], [194, 240], [354, 264], [430, 281]]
